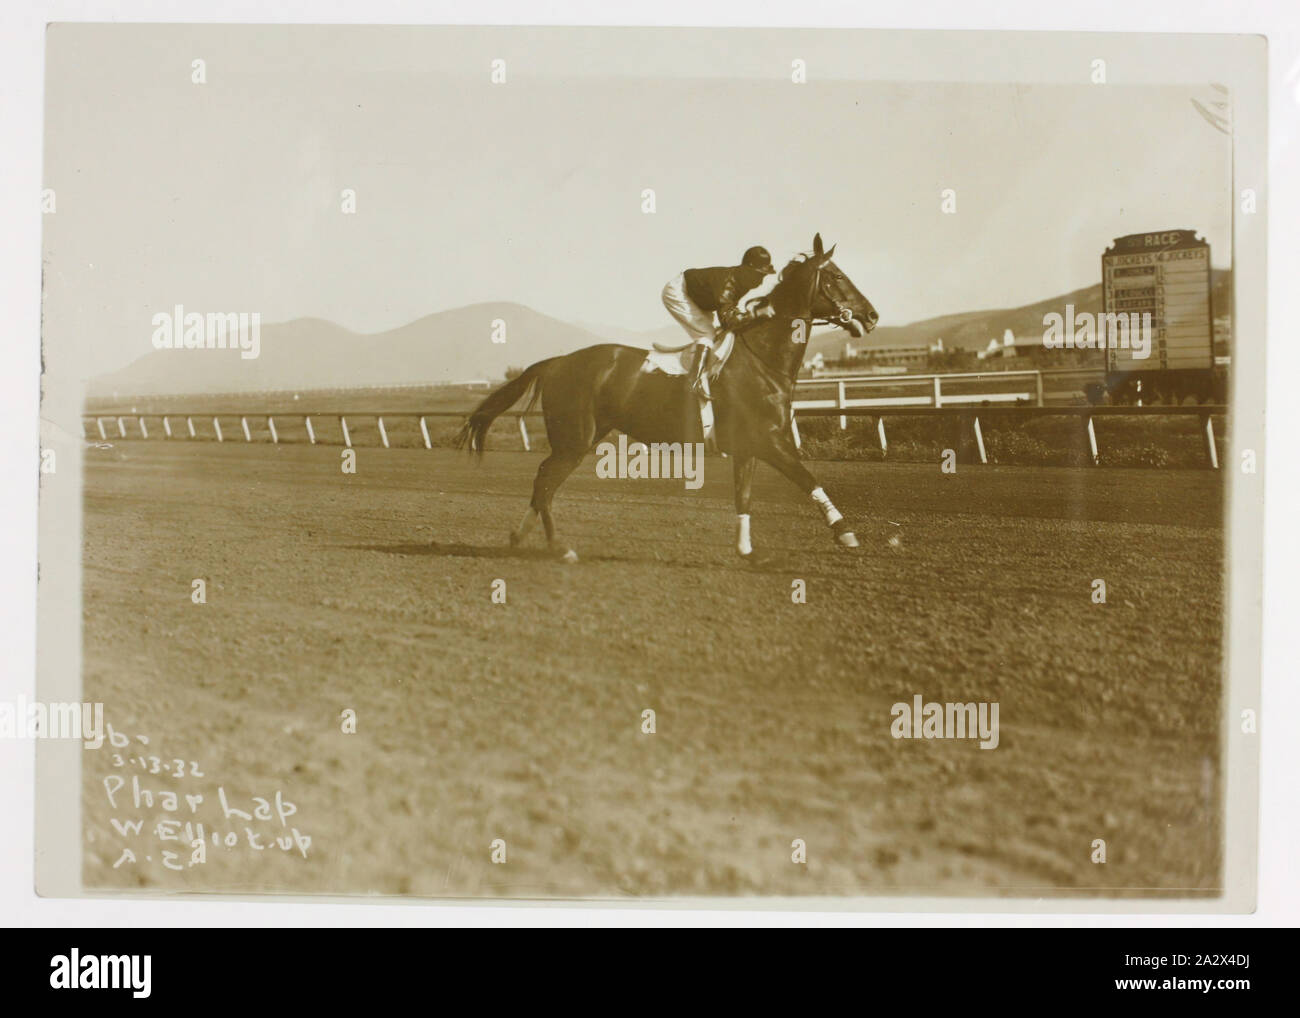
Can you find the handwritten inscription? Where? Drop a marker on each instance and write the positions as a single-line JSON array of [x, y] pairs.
[[160, 811]]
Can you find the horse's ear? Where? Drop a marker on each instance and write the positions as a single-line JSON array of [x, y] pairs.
[[817, 245], [831, 251]]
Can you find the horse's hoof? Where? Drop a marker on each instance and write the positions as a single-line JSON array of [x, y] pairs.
[[569, 557], [844, 534]]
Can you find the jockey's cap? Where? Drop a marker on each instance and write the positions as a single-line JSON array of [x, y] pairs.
[[758, 258]]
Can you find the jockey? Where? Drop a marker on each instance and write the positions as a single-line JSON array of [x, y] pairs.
[[692, 296]]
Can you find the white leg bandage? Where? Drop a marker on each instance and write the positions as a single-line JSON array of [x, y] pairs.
[[833, 515], [742, 534]]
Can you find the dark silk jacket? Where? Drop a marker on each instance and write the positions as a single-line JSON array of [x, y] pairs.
[[720, 288]]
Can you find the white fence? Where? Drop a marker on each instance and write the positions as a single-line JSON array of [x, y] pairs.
[[92, 424], [922, 391], [95, 423]]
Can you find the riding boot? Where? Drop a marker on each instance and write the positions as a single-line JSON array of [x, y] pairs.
[[699, 384]]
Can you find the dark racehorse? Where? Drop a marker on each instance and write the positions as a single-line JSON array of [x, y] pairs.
[[590, 392]]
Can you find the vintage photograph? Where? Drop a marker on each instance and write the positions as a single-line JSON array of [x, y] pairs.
[[651, 464]]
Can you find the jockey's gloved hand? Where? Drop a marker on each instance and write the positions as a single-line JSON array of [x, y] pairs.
[[737, 320], [743, 320]]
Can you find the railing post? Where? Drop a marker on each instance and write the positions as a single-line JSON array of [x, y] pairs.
[[938, 396], [216, 426], [523, 433], [99, 421], [167, 426], [189, 423], [424, 433], [1092, 442], [311, 432], [121, 428], [270, 424], [383, 432], [794, 430], [347, 438], [979, 441], [247, 435], [1038, 384], [1211, 449], [880, 430], [844, 421]]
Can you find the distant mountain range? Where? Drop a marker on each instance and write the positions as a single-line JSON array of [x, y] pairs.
[[309, 353], [456, 345]]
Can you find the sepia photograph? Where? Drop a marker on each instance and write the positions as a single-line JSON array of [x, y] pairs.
[[651, 465]]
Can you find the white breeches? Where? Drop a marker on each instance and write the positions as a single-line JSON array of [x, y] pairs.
[[697, 323]]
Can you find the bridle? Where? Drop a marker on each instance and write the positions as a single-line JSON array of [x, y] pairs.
[[843, 315]]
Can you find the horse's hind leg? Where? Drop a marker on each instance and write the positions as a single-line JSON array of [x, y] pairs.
[[781, 455], [526, 524], [550, 475], [553, 472]]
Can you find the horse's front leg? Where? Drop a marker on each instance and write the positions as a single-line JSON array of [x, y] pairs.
[[744, 473], [781, 454]]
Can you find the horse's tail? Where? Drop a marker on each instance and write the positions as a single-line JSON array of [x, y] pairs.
[[474, 432]]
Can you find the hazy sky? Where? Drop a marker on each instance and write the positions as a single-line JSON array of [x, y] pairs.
[[226, 196]]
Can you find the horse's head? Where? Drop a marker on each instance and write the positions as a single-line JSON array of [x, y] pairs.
[[824, 292]]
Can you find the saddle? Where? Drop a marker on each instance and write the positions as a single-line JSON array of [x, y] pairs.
[[674, 360]]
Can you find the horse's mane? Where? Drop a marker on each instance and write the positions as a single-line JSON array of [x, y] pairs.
[[798, 259]]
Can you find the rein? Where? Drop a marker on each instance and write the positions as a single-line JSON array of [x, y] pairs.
[[843, 316]]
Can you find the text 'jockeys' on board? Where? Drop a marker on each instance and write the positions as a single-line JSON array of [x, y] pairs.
[[654, 398]]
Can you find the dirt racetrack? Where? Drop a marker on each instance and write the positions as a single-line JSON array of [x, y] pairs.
[[522, 721]]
